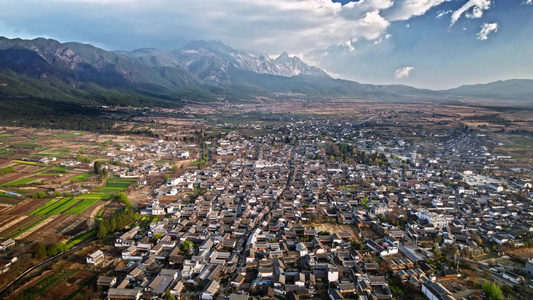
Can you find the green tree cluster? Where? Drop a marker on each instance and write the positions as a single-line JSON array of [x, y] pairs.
[[123, 198], [187, 246], [492, 290], [40, 195], [98, 170], [168, 296], [41, 252], [117, 221]]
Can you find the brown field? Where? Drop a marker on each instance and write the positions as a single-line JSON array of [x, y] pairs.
[[336, 228], [63, 279]]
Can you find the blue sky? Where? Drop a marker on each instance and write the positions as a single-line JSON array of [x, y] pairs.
[[433, 44]]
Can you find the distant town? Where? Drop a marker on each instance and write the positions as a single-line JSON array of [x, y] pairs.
[[267, 206]]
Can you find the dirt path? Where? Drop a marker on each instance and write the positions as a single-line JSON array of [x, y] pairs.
[[8, 219], [5, 207], [94, 213], [11, 223]]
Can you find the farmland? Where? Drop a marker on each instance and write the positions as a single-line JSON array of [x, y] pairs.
[[30, 223], [20, 181], [112, 187], [54, 207], [81, 177], [50, 194], [81, 206]]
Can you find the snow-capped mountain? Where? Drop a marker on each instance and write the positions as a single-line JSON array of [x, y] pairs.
[[213, 61]]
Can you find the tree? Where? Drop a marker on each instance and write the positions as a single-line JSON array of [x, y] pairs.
[[102, 231], [123, 198], [168, 296], [56, 249], [187, 246], [437, 254], [97, 167], [39, 251], [39, 195], [112, 225], [492, 290], [165, 177]]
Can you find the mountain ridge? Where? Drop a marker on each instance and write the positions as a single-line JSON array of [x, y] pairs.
[[509, 89], [199, 71]]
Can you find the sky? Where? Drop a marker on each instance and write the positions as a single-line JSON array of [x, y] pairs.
[[436, 44]]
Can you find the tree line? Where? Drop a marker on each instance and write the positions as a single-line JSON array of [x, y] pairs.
[[117, 222]]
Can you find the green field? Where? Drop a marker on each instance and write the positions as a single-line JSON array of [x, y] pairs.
[[194, 163], [73, 242], [6, 134], [41, 208], [67, 135], [59, 169], [20, 181], [40, 170], [49, 174], [55, 207], [100, 215], [61, 150], [29, 163], [81, 177], [81, 206], [112, 187], [521, 141]]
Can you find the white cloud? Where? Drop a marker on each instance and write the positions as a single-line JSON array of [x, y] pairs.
[[472, 9], [403, 72], [261, 25], [486, 28], [385, 37], [404, 10], [348, 45], [528, 2], [441, 13]]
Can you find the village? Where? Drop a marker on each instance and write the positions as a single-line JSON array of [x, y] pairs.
[[314, 209]]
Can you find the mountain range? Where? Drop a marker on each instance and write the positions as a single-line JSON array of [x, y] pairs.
[[199, 71]]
